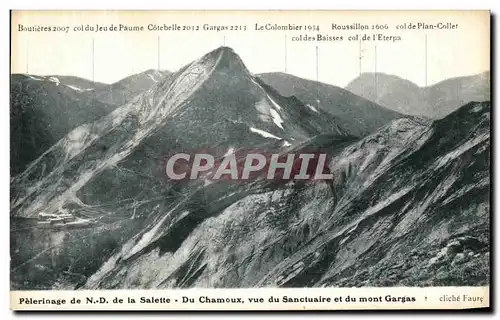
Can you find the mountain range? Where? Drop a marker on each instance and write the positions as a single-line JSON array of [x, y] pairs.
[[358, 115], [435, 101], [408, 205], [46, 108]]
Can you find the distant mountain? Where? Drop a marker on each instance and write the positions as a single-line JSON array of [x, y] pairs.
[[45, 108], [125, 90], [435, 101], [356, 115], [76, 83]]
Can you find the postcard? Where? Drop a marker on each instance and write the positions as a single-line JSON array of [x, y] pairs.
[[250, 160]]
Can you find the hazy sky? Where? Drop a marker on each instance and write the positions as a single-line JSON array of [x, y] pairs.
[[450, 53]]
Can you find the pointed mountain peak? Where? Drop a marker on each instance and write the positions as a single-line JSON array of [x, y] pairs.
[[224, 58], [225, 51]]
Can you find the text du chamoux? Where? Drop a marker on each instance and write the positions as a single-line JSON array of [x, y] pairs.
[[205, 299]]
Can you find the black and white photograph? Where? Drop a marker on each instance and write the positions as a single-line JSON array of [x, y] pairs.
[[250, 150]]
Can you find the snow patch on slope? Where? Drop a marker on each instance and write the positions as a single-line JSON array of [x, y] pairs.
[[265, 134], [276, 118], [55, 80], [477, 108], [312, 108], [34, 78], [77, 88]]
